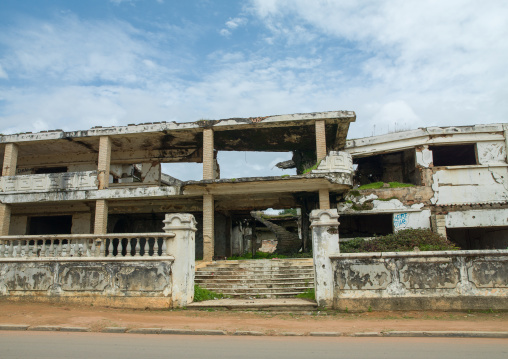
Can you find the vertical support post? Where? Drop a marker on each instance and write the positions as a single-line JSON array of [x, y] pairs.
[[320, 140], [182, 247], [104, 161], [8, 169], [208, 160], [10, 159], [324, 198], [5, 219], [208, 227], [505, 127], [325, 242], [438, 222], [101, 217]]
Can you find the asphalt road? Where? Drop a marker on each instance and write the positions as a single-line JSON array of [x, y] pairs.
[[41, 345]]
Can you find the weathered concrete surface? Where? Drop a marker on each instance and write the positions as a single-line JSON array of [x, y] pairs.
[[117, 283], [49, 182], [182, 248], [325, 243], [426, 280]]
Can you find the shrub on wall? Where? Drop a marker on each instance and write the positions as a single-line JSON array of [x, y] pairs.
[[401, 241]]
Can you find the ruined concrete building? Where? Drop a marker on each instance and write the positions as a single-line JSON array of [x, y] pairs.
[[458, 178], [109, 180]]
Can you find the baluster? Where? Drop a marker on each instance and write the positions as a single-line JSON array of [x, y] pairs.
[[2, 248], [13, 250], [85, 248], [94, 248], [145, 247], [70, 248], [43, 249], [163, 247], [59, 249], [102, 243], [128, 252], [52, 248], [35, 249], [110, 248], [138, 247], [27, 252]]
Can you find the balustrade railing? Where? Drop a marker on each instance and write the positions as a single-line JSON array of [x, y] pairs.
[[86, 245]]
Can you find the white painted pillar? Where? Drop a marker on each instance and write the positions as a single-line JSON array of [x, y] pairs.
[[325, 242], [182, 247], [505, 127], [208, 161]]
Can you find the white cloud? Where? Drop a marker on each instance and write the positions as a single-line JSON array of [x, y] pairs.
[[3, 74], [444, 60], [235, 22], [231, 25]]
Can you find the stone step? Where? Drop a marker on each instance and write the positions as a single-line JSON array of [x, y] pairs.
[[223, 286], [253, 280], [276, 305], [242, 290], [258, 271]]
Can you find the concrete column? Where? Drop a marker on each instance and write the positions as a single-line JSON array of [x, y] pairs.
[[104, 161], [182, 247], [505, 127], [325, 242], [5, 219], [208, 160], [439, 224], [324, 198], [320, 140], [101, 217], [208, 227], [10, 159]]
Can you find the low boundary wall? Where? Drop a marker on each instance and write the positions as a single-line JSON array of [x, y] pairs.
[[134, 270], [440, 280], [132, 283], [447, 280]]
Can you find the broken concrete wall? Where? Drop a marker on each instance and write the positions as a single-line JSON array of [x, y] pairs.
[[458, 280], [115, 283], [470, 184], [81, 223], [18, 225]]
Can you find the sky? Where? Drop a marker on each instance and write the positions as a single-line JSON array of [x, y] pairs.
[[399, 64]]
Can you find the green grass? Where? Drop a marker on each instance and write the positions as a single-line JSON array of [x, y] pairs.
[[201, 294], [310, 169], [377, 185], [308, 294]]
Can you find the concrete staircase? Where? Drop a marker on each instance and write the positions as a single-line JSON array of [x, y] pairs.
[[259, 278], [287, 242]]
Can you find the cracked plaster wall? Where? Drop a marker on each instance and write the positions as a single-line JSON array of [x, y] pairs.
[[428, 280]]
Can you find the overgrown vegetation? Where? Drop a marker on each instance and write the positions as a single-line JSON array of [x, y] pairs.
[[377, 185], [202, 294], [290, 211], [264, 255], [308, 294], [310, 169], [402, 241]]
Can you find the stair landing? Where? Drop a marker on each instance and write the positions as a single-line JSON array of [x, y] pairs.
[[278, 305]]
